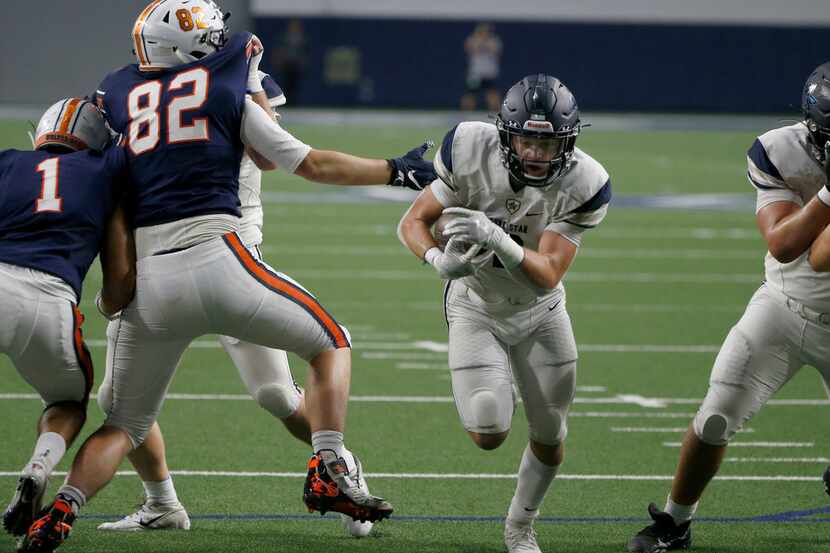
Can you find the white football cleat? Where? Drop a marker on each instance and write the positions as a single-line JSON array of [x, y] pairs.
[[355, 527], [151, 517], [26, 504], [520, 538]]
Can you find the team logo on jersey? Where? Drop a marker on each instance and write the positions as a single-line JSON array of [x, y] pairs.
[[512, 205]]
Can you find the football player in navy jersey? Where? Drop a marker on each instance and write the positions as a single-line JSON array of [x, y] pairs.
[[265, 372], [184, 114], [57, 209]]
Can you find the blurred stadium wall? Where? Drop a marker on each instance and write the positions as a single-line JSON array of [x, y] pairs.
[[62, 48], [646, 55], [643, 55]]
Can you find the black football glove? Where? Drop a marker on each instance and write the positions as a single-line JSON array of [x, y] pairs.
[[412, 170]]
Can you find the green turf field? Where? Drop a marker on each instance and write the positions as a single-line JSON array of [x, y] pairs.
[[652, 295]]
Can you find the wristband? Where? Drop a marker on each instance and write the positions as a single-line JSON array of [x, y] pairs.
[[510, 253], [99, 305], [824, 196], [431, 254]]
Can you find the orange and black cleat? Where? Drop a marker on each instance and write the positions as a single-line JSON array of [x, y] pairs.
[[50, 530], [331, 486]]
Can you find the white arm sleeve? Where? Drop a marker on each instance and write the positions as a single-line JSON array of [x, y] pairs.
[[260, 133]]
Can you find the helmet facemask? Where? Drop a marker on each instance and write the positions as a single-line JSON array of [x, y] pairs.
[[536, 155]]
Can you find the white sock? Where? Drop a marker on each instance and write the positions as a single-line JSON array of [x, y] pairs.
[[72, 495], [328, 439], [535, 478], [680, 513], [48, 452], [161, 493]]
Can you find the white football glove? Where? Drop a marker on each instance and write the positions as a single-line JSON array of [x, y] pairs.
[[474, 227], [254, 80], [454, 262]]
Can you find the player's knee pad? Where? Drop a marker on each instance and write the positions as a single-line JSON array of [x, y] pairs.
[[549, 426], [489, 414], [714, 428], [279, 400], [104, 396]]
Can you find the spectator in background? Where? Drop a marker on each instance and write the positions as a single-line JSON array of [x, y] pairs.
[[483, 49], [289, 59]]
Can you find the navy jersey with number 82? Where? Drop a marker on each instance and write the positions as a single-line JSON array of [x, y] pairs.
[[181, 127], [54, 209]]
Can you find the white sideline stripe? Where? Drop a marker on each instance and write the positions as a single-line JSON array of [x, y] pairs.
[[646, 429], [755, 444], [821, 460], [457, 476]]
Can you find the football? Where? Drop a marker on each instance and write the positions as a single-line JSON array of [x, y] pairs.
[[438, 230]]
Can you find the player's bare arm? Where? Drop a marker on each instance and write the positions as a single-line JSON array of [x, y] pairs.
[[330, 167], [263, 135], [117, 264], [789, 230], [546, 267], [414, 228]]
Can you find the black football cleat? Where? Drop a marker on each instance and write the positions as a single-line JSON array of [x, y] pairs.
[[663, 535], [332, 486], [826, 478], [25, 505], [50, 530]]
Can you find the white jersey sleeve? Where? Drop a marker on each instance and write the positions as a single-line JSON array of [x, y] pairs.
[[591, 198], [261, 133], [447, 189], [763, 173]]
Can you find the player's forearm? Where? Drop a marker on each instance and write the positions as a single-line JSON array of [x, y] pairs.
[[414, 233], [820, 252], [332, 167], [792, 236], [545, 271], [118, 264]]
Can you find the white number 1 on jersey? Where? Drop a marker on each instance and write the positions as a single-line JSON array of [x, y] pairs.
[[49, 200]]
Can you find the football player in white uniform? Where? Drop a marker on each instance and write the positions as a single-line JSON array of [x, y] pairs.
[[264, 371], [525, 193], [787, 322], [184, 111]]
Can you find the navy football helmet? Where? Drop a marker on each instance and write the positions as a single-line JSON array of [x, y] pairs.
[[815, 105], [538, 124]]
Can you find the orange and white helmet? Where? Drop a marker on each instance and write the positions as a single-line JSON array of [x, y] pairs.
[[168, 33], [73, 123]]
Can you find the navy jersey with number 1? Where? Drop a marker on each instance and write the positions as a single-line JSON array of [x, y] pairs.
[[182, 128], [54, 209]]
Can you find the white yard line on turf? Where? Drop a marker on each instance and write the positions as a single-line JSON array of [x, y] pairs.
[[659, 430], [822, 460], [457, 476], [621, 399], [367, 250], [576, 276], [378, 350], [754, 444]]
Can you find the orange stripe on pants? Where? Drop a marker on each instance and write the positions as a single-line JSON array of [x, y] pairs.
[[274, 282]]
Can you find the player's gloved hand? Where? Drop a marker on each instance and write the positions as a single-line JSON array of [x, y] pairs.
[[455, 261], [474, 227], [256, 51], [412, 170]]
